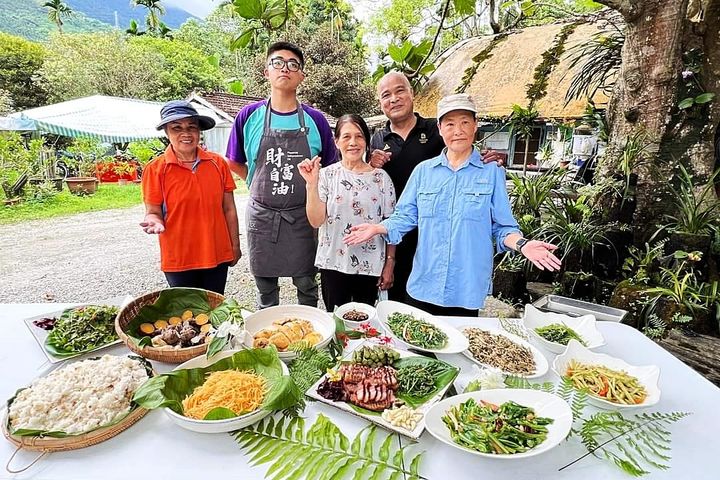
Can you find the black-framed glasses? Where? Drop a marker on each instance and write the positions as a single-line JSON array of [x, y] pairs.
[[278, 63]]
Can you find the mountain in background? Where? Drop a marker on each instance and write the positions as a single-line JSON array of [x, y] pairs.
[[28, 18], [105, 12]]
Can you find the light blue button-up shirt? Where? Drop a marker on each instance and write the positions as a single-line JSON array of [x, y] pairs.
[[458, 214]]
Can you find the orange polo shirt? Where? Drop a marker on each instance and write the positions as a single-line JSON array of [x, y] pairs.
[[196, 233]]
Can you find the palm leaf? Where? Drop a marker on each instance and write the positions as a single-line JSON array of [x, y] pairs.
[[324, 451]]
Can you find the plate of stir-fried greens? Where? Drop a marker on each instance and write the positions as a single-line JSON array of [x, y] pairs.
[[553, 331], [418, 330], [503, 423]]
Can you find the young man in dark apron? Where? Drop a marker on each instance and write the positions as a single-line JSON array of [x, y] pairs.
[[268, 141]]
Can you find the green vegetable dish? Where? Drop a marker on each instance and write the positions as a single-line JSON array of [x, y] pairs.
[[559, 333], [506, 429], [82, 329], [416, 331]]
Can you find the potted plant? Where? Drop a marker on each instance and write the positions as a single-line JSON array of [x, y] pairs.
[[85, 183], [125, 172], [509, 279]]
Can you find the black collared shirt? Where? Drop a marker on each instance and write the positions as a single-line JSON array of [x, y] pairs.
[[423, 142]]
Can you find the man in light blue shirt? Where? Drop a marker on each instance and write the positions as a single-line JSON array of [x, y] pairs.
[[459, 205]]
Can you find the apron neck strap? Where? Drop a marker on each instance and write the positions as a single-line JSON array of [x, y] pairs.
[[300, 114]]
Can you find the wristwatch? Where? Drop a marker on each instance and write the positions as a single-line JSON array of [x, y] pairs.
[[521, 243]]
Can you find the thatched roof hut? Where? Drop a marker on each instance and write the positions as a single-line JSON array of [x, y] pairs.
[[498, 70]]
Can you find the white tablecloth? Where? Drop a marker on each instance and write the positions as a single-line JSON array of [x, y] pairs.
[[154, 447]]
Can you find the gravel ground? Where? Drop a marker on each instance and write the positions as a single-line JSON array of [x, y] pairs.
[[98, 255]]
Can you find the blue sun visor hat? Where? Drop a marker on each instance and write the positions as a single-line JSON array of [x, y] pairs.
[[175, 110]]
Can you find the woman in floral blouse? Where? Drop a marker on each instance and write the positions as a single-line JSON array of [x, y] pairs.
[[344, 194]]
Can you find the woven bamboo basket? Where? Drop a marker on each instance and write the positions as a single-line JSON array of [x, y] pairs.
[[167, 355], [51, 444]]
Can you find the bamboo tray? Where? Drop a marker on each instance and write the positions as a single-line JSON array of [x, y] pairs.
[[166, 355]]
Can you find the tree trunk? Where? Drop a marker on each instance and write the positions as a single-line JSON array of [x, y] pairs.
[[648, 90]]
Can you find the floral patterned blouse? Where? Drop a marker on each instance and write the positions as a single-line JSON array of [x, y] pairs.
[[352, 198]]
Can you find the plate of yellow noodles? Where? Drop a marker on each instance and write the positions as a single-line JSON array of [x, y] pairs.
[[609, 382], [232, 390]]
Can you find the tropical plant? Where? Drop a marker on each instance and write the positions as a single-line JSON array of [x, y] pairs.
[[57, 10], [263, 16], [512, 262], [696, 213], [638, 266], [134, 29], [571, 227], [323, 452], [530, 194], [682, 288], [634, 155], [17, 160], [155, 10], [408, 58], [599, 60], [522, 123]]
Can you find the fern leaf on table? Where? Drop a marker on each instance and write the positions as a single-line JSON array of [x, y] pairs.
[[634, 443], [324, 452]]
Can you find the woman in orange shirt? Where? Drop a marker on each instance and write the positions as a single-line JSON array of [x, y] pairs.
[[189, 203]]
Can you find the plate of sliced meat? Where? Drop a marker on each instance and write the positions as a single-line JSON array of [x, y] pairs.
[[390, 387]]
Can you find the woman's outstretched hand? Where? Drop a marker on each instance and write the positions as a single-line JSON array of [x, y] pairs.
[[152, 226], [541, 255], [363, 233]]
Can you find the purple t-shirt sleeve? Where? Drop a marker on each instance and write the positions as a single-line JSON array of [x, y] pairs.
[[328, 155], [236, 142]]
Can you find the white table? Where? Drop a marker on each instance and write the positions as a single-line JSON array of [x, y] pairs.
[[155, 447]]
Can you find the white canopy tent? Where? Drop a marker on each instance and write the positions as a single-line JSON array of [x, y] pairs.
[[108, 119]]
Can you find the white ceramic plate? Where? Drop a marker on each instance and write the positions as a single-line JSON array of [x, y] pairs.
[[647, 375], [369, 310], [322, 322], [584, 326], [216, 426], [456, 341], [41, 335], [377, 419], [541, 363], [545, 405]]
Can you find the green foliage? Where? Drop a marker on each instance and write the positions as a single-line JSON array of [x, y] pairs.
[[137, 67], [309, 365], [401, 19], [633, 444], [697, 213], [180, 68], [20, 61], [335, 76], [640, 264], [530, 194], [17, 158], [145, 150], [407, 58], [680, 287], [599, 60], [323, 452], [263, 16], [87, 64], [155, 10]]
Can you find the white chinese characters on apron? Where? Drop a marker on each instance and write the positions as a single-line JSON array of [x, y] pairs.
[[281, 241]]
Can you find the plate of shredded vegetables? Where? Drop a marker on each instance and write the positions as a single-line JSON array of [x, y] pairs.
[[553, 331], [610, 382], [419, 330], [497, 348], [503, 424], [232, 390]]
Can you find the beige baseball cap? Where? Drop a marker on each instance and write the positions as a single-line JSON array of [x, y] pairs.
[[458, 101]]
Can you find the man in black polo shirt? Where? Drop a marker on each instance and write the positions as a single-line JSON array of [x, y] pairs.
[[406, 140]]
